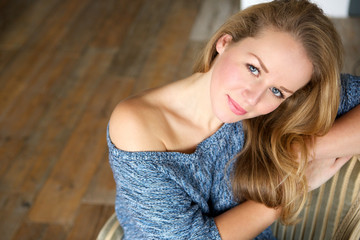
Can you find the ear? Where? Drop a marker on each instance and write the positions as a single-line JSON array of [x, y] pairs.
[[222, 42]]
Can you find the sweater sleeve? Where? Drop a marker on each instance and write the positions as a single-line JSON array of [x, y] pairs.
[[151, 205], [350, 93]]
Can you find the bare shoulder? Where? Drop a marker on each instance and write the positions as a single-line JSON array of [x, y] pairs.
[[133, 124]]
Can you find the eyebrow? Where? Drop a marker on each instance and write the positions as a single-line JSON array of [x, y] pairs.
[[261, 63], [267, 71], [286, 90]]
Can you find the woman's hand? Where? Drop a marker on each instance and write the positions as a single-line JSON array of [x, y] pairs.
[[319, 171]]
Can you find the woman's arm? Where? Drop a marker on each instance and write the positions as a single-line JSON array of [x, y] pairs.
[[246, 220], [333, 150], [343, 139]]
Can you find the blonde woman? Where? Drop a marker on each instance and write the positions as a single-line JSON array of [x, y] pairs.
[[227, 151]]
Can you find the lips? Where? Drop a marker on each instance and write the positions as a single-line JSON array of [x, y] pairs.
[[235, 107]]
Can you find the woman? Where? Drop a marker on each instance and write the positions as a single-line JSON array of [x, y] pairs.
[[222, 153]]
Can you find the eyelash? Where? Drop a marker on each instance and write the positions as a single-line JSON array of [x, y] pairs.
[[251, 68], [281, 94]]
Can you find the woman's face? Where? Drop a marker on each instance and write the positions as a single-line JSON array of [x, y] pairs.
[[255, 75]]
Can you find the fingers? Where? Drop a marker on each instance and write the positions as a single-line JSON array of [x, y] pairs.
[[321, 170]]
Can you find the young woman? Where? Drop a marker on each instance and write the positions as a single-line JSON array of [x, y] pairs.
[[223, 153]]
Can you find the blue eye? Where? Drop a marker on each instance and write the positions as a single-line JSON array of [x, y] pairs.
[[277, 92], [253, 70]]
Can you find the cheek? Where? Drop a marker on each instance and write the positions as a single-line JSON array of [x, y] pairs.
[[227, 73], [270, 106]]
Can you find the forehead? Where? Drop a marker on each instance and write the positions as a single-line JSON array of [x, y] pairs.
[[283, 56]]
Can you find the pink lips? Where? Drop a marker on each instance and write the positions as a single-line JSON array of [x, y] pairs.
[[235, 107]]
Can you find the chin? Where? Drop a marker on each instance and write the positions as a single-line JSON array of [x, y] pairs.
[[228, 119], [227, 116]]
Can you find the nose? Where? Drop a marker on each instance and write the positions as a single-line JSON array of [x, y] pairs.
[[253, 94]]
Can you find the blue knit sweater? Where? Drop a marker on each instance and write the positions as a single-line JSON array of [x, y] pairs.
[[172, 195]]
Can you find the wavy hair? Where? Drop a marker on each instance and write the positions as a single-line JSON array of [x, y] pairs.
[[266, 170]]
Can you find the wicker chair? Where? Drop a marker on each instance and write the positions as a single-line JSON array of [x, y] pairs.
[[333, 210], [111, 230]]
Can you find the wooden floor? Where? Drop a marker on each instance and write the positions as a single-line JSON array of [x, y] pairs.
[[64, 64]]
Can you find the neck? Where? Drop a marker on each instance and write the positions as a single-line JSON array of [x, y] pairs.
[[196, 102]]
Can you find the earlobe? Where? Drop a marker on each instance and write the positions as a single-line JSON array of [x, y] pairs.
[[222, 42]]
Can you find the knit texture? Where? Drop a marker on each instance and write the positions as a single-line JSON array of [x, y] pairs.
[[350, 93], [173, 195]]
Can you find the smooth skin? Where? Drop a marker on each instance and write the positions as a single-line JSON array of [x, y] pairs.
[[248, 78]]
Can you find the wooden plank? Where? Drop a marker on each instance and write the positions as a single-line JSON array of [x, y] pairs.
[[60, 123], [165, 56], [86, 26], [40, 231], [13, 209], [54, 232], [89, 221], [31, 169], [5, 57], [102, 188], [25, 16], [141, 38], [56, 125], [212, 15], [117, 24], [3, 4], [30, 230], [10, 11], [188, 59], [37, 102], [45, 86], [79, 160], [9, 149], [58, 23], [14, 79]]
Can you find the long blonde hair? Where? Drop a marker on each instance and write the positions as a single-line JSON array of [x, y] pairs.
[[266, 169]]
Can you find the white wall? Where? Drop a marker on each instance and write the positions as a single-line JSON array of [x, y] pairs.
[[333, 8]]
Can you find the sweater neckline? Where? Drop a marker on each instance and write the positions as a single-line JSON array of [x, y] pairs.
[[206, 143]]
